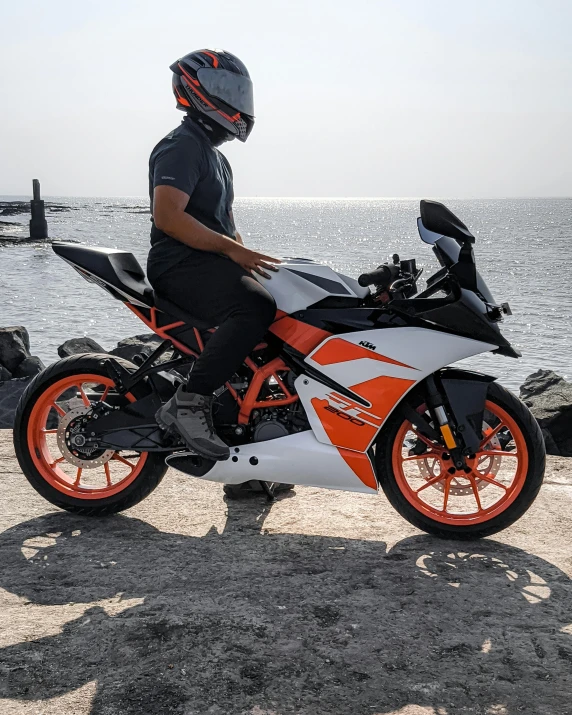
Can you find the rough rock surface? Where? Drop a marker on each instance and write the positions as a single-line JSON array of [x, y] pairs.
[[14, 346], [549, 398], [10, 392], [137, 345], [323, 603], [29, 367], [14, 208], [77, 346]]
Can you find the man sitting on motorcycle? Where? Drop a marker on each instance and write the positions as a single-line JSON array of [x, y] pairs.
[[197, 258]]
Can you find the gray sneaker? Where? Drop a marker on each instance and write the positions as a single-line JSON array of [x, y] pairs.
[[191, 416]]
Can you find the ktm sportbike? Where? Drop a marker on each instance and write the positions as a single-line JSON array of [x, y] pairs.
[[351, 389]]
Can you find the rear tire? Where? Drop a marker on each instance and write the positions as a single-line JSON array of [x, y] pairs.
[[34, 455], [518, 496]]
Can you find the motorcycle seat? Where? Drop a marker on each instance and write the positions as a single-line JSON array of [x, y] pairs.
[[120, 273], [117, 271], [166, 306]]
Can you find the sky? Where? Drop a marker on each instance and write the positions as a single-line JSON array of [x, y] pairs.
[[372, 98]]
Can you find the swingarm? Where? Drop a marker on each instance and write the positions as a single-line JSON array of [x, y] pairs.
[[134, 426]]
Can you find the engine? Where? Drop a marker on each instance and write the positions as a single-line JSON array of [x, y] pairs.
[[279, 422], [267, 423]]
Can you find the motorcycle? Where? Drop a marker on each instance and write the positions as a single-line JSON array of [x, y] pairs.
[[351, 389]]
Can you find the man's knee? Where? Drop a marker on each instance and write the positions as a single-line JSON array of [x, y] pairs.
[[259, 305], [263, 306], [269, 308]]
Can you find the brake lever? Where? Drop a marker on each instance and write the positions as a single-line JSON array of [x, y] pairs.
[[401, 283]]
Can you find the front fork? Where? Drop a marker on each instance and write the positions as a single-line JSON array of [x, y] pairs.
[[435, 403]]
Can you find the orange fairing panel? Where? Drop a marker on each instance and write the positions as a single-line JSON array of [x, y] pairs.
[[351, 426], [344, 429], [339, 350], [383, 393], [300, 336], [360, 464]]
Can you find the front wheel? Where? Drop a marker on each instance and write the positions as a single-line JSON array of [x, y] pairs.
[[503, 477], [52, 417]]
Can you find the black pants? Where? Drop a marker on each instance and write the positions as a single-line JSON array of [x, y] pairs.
[[220, 292]]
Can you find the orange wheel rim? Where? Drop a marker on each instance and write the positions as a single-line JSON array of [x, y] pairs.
[[496, 476], [113, 473]]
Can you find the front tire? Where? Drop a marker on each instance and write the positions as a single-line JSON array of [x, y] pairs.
[[505, 475], [96, 483]]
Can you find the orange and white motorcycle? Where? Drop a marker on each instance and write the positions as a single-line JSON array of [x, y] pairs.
[[350, 390]]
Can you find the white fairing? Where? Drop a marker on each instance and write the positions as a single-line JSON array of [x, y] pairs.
[[294, 459], [377, 368], [295, 286], [420, 353], [316, 458]]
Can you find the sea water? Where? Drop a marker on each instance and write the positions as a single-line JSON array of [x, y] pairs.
[[523, 250]]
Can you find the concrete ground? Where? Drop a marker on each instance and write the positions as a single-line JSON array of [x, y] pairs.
[[322, 603]]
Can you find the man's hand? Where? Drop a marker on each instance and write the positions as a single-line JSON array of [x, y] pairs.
[[251, 260]]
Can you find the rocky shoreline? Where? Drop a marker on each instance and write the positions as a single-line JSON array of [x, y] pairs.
[[548, 395], [17, 232], [18, 366]]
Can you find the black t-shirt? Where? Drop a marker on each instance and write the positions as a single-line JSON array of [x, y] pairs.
[[187, 160]]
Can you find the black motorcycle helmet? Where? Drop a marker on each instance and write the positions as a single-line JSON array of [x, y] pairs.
[[214, 86]]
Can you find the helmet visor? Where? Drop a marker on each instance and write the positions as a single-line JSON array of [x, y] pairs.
[[231, 88]]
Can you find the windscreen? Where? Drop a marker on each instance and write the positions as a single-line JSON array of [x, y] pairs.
[[451, 249], [447, 251]]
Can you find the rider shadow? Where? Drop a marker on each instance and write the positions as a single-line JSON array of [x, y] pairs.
[[246, 622]]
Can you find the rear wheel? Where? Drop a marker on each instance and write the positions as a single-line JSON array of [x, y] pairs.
[[51, 420], [500, 483]]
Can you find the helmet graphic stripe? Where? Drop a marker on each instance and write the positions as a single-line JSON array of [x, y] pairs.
[[212, 56]]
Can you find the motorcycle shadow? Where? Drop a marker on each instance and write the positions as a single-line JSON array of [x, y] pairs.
[[242, 622]]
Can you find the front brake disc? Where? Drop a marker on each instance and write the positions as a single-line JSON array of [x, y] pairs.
[[427, 470]]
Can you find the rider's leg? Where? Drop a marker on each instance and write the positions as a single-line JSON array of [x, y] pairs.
[[218, 291], [241, 326]]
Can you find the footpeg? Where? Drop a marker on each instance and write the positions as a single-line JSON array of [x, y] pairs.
[[190, 463]]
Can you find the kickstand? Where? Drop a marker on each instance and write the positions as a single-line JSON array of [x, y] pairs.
[[268, 488]]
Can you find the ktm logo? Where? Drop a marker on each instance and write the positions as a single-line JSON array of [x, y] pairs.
[[365, 344], [345, 416]]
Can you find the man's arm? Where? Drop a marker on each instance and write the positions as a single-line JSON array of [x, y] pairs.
[[237, 235], [169, 216]]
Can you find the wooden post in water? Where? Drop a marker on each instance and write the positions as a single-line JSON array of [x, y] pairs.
[[38, 224]]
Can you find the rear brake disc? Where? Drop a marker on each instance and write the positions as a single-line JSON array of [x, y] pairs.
[[73, 444]]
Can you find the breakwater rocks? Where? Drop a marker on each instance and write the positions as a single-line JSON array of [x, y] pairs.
[[549, 397], [18, 232], [14, 208], [18, 366]]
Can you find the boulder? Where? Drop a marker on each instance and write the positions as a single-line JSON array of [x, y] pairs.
[[78, 346], [29, 367], [137, 345], [14, 346], [549, 398], [10, 392]]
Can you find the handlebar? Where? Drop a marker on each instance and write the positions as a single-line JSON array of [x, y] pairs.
[[381, 277]]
